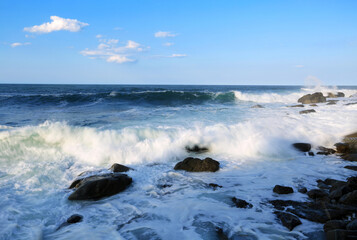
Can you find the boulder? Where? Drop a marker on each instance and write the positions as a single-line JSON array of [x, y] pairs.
[[257, 106], [75, 218], [325, 151], [196, 149], [288, 220], [197, 165], [240, 203], [316, 194], [96, 187], [282, 189], [341, 147], [116, 167], [339, 234], [354, 168], [338, 94], [351, 140], [214, 186], [349, 198], [317, 97], [335, 224], [350, 157], [307, 111], [302, 147], [331, 102], [302, 190], [299, 105]]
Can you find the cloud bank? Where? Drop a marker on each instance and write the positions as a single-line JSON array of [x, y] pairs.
[[57, 24]]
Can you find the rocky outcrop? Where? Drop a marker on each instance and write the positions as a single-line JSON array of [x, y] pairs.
[[119, 168], [307, 111], [197, 165], [333, 95], [282, 189], [325, 151], [302, 147], [288, 220], [240, 203], [99, 186], [317, 97]]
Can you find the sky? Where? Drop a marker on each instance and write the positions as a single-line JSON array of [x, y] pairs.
[[178, 42]]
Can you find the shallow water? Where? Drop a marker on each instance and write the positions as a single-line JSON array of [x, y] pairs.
[[49, 134]]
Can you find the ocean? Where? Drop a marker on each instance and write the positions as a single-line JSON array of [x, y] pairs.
[[49, 134]]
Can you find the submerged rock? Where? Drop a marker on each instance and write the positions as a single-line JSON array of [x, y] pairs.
[[282, 189], [302, 190], [331, 102], [75, 218], [299, 105], [307, 111], [303, 147], [240, 203], [317, 97], [116, 167], [214, 186], [196, 149], [288, 220], [197, 165], [96, 187], [257, 106]]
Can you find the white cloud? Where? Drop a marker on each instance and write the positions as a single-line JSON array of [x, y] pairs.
[[161, 34], [17, 44], [299, 66], [57, 24], [177, 55], [99, 36], [168, 44], [109, 51]]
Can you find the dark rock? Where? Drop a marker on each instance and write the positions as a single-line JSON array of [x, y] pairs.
[[314, 211], [322, 185], [332, 95], [197, 165], [311, 154], [214, 186], [96, 187], [220, 234], [288, 220], [331, 102], [335, 224], [240, 203], [165, 185], [325, 151], [196, 149], [354, 168], [352, 157], [349, 198], [339, 234], [313, 105], [316, 193], [307, 111], [299, 105], [352, 225], [119, 168], [257, 106], [282, 189], [354, 103], [341, 147], [317, 97], [332, 182], [303, 147], [75, 218], [302, 190]]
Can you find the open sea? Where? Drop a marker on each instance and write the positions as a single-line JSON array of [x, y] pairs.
[[49, 134]]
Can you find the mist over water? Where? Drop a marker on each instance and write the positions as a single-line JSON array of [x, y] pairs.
[[51, 133]]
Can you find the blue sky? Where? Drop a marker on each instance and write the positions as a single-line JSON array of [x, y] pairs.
[[178, 42]]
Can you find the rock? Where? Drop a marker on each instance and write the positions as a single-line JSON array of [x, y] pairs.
[[303, 147], [316, 193], [240, 203], [347, 104], [313, 105], [196, 149], [119, 168], [197, 165], [257, 106], [220, 234], [331, 102], [325, 151], [299, 105], [350, 157], [349, 198], [96, 187], [288, 220], [307, 111], [282, 189], [351, 140], [165, 185], [323, 185], [352, 225], [339, 234], [332, 95], [341, 147], [311, 154], [312, 98], [302, 190], [335, 224], [214, 186], [75, 218], [332, 182], [354, 168]]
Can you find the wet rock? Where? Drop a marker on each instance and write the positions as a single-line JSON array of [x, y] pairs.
[[75, 218], [288, 220], [302, 190], [96, 187], [240, 203], [303, 147], [313, 105], [257, 106], [331, 102], [325, 151], [214, 186], [119, 168], [335, 224], [307, 111], [349, 198], [332, 95], [341, 147], [316, 193], [354, 168], [282, 189], [299, 105], [332, 182], [347, 104], [352, 157], [196, 149], [339, 234], [165, 185], [312, 98], [311, 154], [220, 234], [352, 225], [197, 165], [322, 185]]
